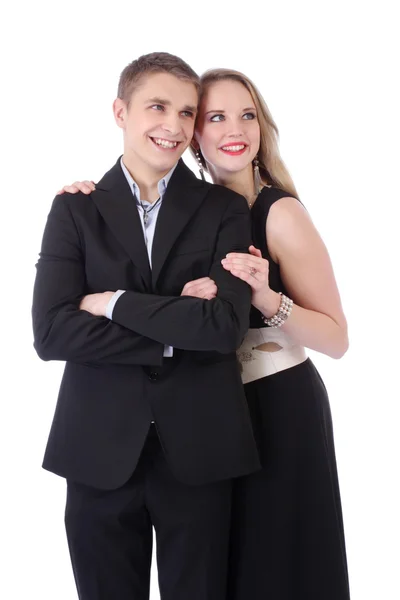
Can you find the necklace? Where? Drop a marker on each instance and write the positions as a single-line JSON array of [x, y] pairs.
[[255, 195], [146, 211], [254, 198]]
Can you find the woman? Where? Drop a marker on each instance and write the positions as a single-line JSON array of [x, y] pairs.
[[287, 530]]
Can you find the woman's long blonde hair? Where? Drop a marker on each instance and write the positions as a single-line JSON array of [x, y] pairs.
[[272, 168]]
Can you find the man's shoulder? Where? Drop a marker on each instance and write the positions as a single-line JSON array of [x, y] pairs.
[[184, 176], [73, 201], [224, 194], [68, 206]]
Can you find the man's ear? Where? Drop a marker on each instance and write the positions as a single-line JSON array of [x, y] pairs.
[[120, 112]]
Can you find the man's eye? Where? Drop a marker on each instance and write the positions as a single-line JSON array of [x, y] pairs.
[[217, 118], [188, 113], [157, 107]]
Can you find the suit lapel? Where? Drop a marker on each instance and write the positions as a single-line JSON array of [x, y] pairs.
[[116, 204], [183, 197]]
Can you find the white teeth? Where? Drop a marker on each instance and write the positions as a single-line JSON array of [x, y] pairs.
[[233, 148], [165, 143]]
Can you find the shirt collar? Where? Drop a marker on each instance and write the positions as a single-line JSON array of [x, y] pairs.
[[161, 186]]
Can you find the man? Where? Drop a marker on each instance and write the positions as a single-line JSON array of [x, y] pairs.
[[151, 422]]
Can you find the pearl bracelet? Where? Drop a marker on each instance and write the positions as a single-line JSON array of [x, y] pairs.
[[284, 310]]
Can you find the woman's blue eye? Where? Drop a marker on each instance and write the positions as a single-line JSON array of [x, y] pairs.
[[216, 118]]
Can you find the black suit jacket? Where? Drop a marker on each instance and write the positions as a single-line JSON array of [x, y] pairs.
[[116, 380]]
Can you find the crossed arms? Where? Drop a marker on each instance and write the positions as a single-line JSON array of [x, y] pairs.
[[142, 323]]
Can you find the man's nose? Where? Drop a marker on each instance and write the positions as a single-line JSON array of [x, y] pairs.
[[172, 124]]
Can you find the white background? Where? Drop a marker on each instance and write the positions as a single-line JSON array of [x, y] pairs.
[[328, 71]]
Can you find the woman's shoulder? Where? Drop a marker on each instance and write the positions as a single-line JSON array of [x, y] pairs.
[[271, 194], [268, 197], [278, 215]]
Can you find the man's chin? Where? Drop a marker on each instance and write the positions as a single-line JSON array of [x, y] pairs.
[[165, 165]]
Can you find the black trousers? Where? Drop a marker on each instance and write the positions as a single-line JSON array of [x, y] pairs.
[[110, 534]]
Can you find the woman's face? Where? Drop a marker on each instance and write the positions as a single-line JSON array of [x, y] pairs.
[[227, 128]]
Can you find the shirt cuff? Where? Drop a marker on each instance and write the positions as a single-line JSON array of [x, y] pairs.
[[168, 352], [112, 303]]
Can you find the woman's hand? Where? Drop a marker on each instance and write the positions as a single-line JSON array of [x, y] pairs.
[[254, 270], [204, 288], [86, 187]]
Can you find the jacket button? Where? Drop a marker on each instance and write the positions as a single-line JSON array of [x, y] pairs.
[[153, 376]]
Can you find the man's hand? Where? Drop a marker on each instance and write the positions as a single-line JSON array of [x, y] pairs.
[[96, 304], [204, 288]]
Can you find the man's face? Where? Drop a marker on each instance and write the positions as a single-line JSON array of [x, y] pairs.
[[158, 125]]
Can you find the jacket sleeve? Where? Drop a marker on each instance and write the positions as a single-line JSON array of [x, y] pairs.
[[194, 324], [61, 330]]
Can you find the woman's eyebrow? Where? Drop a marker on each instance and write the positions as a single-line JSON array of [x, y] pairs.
[[222, 111]]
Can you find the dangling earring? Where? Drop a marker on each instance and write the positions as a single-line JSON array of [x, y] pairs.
[[200, 165], [257, 178]]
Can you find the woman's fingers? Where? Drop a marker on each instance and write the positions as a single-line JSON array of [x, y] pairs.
[[246, 261], [86, 187], [256, 279], [255, 252]]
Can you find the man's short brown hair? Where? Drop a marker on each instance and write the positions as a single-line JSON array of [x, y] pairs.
[[156, 62]]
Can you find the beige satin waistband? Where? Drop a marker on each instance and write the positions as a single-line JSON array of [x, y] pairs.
[[280, 353]]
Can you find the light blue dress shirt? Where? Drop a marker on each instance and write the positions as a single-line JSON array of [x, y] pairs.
[[148, 229]]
